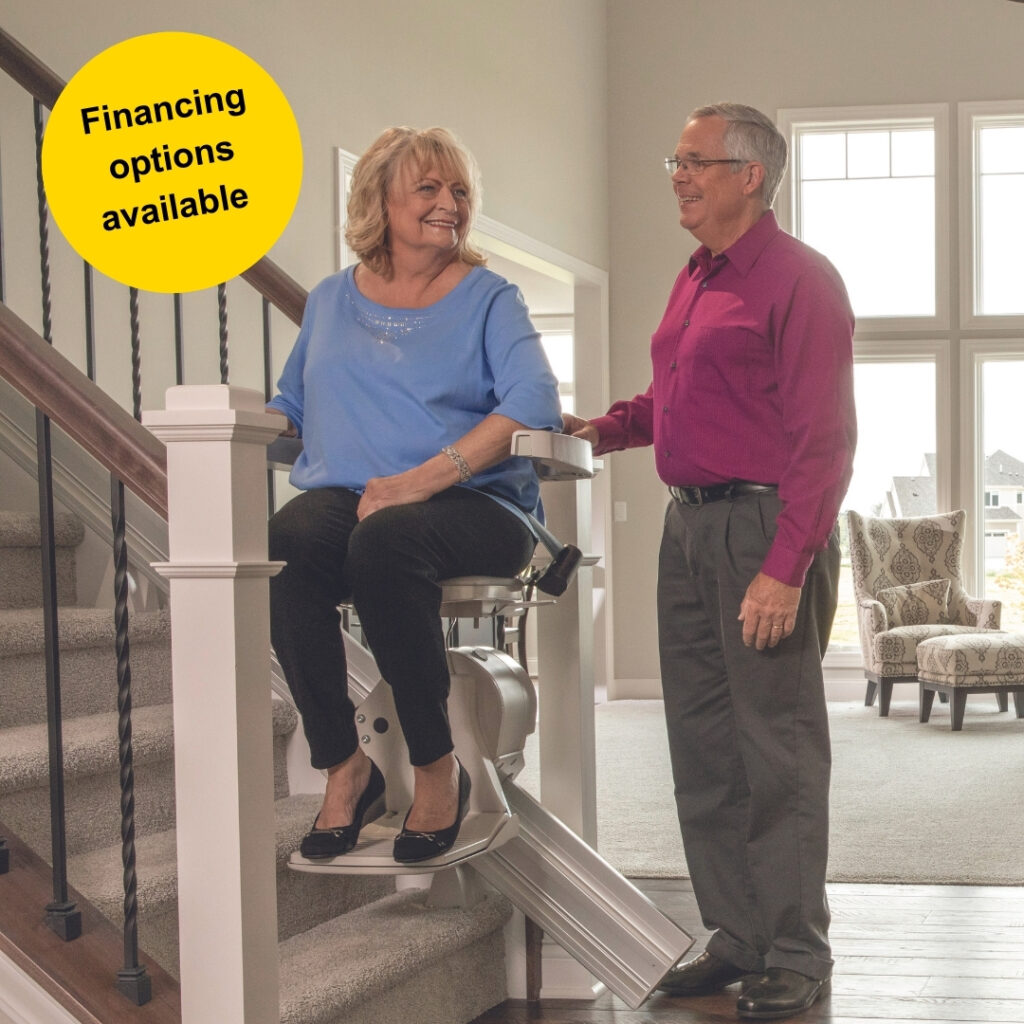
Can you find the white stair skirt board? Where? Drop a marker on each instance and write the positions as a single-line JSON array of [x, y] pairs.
[[603, 921]]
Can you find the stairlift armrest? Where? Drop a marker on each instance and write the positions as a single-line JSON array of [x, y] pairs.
[[283, 451], [555, 456]]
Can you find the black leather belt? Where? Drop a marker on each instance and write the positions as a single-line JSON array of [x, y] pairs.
[[718, 492]]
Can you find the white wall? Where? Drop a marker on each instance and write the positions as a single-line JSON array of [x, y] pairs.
[[667, 57]]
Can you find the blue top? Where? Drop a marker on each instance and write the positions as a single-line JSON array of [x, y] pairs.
[[374, 390]]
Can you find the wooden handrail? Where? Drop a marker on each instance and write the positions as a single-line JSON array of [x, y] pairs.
[[85, 412], [28, 71], [278, 288]]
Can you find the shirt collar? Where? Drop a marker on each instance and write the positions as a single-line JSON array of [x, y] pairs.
[[743, 253]]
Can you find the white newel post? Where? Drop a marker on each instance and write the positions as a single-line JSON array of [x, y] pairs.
[[216, 438]]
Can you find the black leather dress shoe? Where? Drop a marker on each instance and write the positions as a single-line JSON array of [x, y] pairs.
[[701, 976], [412, 846], [780, 993], [323, 843]]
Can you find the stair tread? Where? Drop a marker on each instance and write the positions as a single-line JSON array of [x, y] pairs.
[[407, 937], [98, 871], [21, 529], [90, 744], [21, 629]]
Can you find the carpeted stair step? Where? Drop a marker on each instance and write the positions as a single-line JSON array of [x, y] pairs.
[[88, 662], [303, 900], [92, 774], [20, 567], [395, 961]]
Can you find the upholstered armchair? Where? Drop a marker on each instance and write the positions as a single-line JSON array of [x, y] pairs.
[[907, 584]]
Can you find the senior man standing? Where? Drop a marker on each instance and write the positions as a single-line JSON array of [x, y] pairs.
[[751, 415]]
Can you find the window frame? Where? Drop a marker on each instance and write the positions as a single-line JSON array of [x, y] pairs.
[[992, 112], [793, 120]]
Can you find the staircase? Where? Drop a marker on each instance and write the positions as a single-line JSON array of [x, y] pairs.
[[351, 948]]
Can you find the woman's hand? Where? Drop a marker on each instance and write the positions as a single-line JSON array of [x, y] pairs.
[[399, 489]]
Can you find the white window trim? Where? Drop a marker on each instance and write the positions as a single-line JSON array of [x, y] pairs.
[[993, 110], [844, 118], [974, 352]]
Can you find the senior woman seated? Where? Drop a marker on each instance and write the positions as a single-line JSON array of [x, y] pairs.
[[411, 371]]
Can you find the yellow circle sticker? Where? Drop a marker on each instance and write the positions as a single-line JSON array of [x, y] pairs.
[[172, 162]]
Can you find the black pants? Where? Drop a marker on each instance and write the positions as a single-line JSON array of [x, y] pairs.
[[748, 737], [389, 566]]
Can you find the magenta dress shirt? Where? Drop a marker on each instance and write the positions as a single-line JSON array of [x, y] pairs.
[[753, 380]]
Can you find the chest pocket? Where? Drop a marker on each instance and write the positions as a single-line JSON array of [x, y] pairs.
[[732, 360]]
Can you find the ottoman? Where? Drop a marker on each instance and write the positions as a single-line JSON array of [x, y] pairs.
[[991, 662]]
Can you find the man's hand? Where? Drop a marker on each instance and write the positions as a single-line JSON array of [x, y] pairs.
[[579, 428], [768, 611]]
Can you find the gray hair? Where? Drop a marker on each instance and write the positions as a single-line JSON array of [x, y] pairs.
[[751, 136]]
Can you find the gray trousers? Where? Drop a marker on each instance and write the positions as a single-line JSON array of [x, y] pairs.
[[748, 737]]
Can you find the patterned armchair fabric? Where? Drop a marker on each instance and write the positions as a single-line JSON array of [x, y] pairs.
[[898, 556]]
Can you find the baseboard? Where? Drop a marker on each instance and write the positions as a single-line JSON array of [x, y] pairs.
[[563, 978], [22, 1001]]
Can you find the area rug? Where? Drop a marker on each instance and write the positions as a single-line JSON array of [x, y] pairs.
[[911, 802]]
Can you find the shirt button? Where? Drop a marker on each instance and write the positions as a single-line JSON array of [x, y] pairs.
[[703, 284], [668, 455], [686, 323], [664, 408], [672, 365]]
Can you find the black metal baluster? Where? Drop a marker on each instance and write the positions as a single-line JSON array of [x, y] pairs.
[[62, 916], [5, 853], [222, 321], [268, 391], [133, 313], [90, 326], [179, 345], [132, 979], [44, 230]]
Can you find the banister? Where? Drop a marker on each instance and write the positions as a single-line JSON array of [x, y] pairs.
[[85, 412], [28, 71], [278, 288]]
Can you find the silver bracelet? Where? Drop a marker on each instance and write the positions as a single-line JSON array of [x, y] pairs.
[[460, 463]]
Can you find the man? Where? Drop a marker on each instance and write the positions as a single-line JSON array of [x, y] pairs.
[[750, 412]]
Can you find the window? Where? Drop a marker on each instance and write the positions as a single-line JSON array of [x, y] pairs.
[[865, 188], [556, 335], [995, 177], [1002, 447], [894, 472]]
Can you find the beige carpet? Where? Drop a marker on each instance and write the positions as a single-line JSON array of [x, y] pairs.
[[911, 803]]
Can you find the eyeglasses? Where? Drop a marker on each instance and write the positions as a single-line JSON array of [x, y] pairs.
[[692, 165]]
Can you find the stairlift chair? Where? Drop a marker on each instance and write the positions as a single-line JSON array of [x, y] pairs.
[[514, 844], [492, 704]]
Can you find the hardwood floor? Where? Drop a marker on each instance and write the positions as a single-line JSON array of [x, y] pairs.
[[904, 954]]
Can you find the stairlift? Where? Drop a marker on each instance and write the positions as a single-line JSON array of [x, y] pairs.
[[507, 837]]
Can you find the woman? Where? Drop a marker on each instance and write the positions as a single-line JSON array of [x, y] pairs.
[[410, 374]]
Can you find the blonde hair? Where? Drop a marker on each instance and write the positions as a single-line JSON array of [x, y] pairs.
[[366, 229]]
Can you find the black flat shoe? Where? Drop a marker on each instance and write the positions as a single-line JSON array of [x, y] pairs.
[[780, 993], [323, 843], [701, 976], [412, 846]]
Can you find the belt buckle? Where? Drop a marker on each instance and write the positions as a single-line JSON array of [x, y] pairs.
[[690, 496]]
